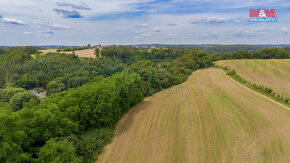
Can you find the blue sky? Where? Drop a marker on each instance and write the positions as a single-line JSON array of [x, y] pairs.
[[79, 22]]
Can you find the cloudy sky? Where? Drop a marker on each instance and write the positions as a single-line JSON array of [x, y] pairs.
[[79, 22]]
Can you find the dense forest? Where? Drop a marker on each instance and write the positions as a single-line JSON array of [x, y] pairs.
[[85, 96], [130, 55], [229, 48], [267, 53], [216, 49], [19, 69]]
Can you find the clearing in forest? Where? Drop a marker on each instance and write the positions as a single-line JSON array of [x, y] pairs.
[[86, 53]]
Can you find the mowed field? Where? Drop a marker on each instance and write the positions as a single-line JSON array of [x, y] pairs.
[[272, 73], [86, 53], [208, 118]]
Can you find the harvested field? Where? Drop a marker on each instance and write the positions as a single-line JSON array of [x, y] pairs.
[[208, 118], [272, 73], [48, 51], [86, 53]]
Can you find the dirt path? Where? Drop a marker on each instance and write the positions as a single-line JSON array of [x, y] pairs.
[[208, 118]]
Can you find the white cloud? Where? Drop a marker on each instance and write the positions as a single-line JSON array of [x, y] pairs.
[[143, 35], [284, 29], [60, 27], [242, 19], [46, 26], [174, 36], [156, 29], [12, 21], [45, 33], [172, 24], [141, 26], [27, 33], [211, 20]]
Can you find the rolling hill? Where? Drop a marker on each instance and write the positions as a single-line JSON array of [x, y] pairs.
[[272, 73], [208, 118]]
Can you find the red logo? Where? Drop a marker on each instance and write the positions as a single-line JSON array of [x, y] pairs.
[[263, 13]]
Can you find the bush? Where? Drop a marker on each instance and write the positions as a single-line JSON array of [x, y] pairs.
[[231, 72]]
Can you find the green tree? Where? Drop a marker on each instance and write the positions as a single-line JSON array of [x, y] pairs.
[[19, 99], [11, 137], [97, 51], [54, 87], [57, 151], [24, 83], [90, 144], [29, 50], [77, 82], [8, 93]]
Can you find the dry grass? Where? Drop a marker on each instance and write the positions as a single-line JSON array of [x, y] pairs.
[[272, 73], [209, 118], [48, 51], [86, 53]]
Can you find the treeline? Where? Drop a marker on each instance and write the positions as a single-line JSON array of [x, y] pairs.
[[130, 54], [259, 88], [286, 48], [273, 53], [75, 125], [229, 48], [157, 76], [74, 48]]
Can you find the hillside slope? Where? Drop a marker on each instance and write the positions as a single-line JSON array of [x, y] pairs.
[[272, 73], [209, 118]]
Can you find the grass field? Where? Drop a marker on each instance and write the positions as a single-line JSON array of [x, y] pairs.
[[208, 118], [86, 53], [272, 73]]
